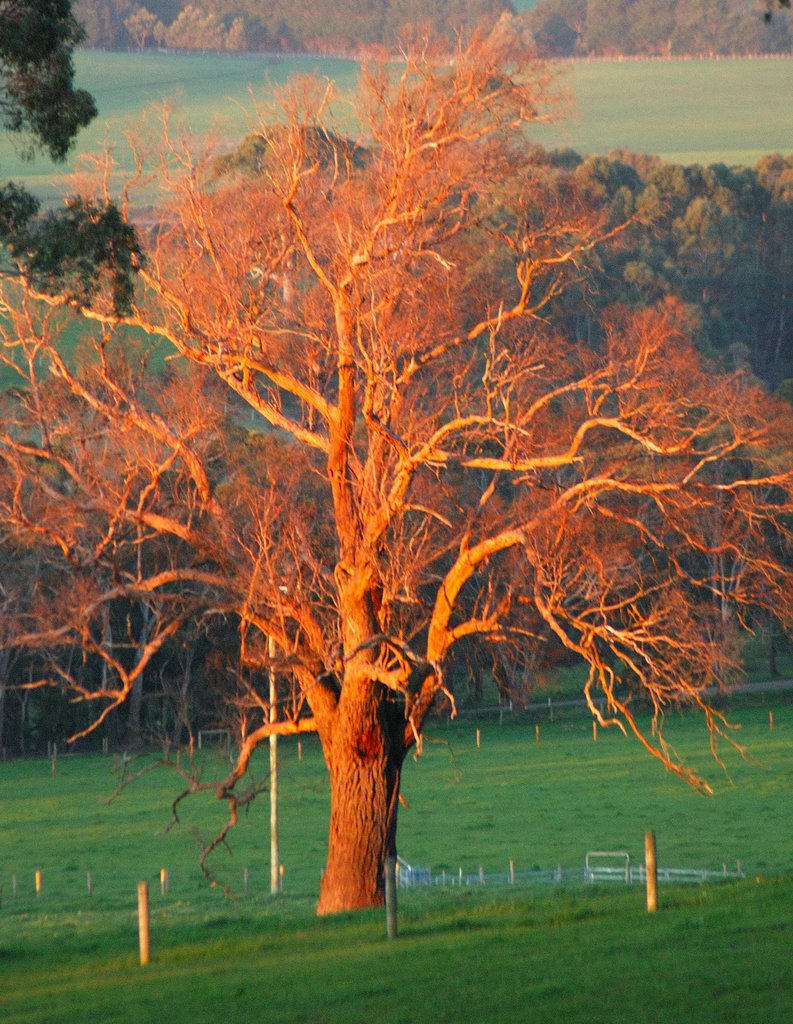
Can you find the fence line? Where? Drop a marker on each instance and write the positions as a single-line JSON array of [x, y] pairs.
[[411, 876], [551, 705], [519, 712], [362, 54], [51, 886]]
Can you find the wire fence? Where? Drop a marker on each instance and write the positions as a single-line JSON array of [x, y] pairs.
[[555, 707], [58, 888], [618, 870]]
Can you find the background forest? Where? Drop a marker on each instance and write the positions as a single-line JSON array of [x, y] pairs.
[[561, 28]]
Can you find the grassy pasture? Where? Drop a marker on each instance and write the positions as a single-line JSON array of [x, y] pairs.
[[714, 956], [539, 804], [719, 111], [208, 94], [718, 953], [688, 111]]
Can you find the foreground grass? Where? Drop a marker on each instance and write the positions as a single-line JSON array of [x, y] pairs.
[[715, 955]]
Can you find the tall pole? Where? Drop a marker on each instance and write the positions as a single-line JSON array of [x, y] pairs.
[[143, 922], [651, 872], [390, 897], [275, 877]]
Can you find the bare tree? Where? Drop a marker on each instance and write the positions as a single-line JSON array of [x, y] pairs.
[[141, 26], [437, 465]]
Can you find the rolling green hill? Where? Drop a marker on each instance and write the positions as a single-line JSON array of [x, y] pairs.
[[688, 111]]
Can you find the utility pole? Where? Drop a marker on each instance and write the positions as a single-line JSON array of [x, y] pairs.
[[275, 877]]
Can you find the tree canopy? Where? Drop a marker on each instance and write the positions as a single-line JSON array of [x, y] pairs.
[[38, 101], [38, 98], [434, 464], [41, 105], [714, 237]]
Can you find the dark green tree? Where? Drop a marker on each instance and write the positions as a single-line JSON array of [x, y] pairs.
[[42, 108], [37, 94]]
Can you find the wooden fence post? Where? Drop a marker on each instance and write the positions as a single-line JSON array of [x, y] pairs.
[[651, 872], [38, 881], [163, 881], [390, 898], [143, 922]]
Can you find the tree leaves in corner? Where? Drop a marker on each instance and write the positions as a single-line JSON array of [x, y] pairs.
[[70, 251]]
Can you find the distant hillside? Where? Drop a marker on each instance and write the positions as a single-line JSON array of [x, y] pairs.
[[322, 26], [564, 28], [561, 28]]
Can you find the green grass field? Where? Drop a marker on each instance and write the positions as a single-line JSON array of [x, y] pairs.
[[722, 111], [715, 953], [688, 111], [210, 95], [716, 956]]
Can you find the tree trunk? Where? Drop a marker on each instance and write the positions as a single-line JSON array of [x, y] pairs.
[[771, 649], [365, 763], [135, 704], [5, 661], [23, 708], [149, 620]]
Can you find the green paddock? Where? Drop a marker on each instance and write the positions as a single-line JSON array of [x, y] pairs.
[[575, 952], [689, 111]]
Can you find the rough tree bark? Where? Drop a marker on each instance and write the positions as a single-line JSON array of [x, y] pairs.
[[364, 758]]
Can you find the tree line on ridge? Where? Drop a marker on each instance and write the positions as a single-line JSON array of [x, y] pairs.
[[560, 28]]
